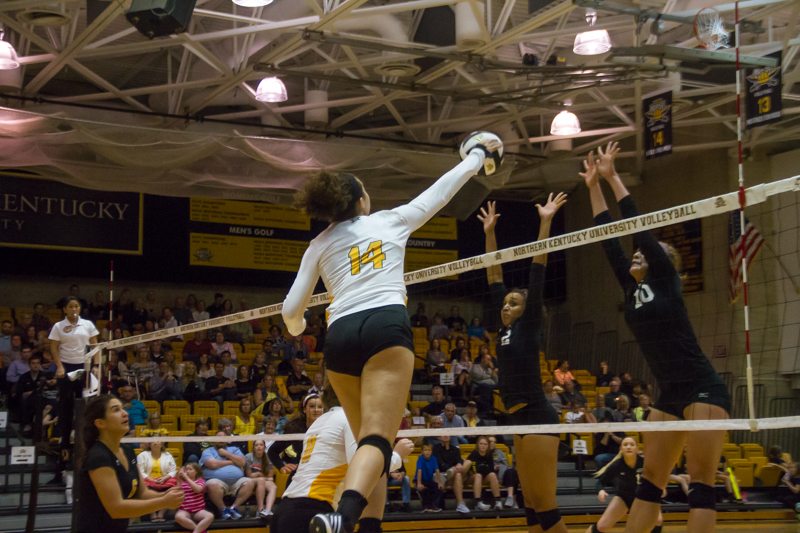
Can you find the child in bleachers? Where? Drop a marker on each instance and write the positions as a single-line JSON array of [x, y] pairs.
[[193, 507], [482, 458], [790, 497], [429, 481]]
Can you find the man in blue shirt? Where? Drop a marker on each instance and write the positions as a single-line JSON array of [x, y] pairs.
[[6, 329], [137, 414], [223, 470]]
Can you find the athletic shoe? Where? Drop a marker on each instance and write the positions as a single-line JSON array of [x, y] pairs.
[[327, 523], [483, 506], [510, 502], [462, 508], [498, 506], [265, 513], [436, 510], [226, 514], [235, 514]]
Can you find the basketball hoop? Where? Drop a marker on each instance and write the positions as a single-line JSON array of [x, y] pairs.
[[710, 29]]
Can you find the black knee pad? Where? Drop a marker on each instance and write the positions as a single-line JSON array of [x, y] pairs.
[[530, 517], [701, 496], [370, 525], [549, 518], [647, 492], [383, 445], [595, 530]]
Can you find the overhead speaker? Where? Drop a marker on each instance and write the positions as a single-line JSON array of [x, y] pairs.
[[157, 18]]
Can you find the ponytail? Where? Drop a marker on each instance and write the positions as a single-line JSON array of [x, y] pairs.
[[95, 410]]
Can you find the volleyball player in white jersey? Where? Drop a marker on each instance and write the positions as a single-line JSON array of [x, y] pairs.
[[369, 349], [328, 447]]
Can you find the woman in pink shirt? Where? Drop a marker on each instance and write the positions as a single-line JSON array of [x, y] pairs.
[[562, 372]]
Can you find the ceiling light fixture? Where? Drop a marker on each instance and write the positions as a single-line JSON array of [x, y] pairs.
[[271, 90], [594, 42], [565, 123], [252, 3], [8, 56]]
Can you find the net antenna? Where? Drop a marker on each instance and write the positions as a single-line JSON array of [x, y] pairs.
[[709, 29]]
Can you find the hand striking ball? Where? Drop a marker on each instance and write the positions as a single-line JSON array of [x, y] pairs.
[[478, 139]]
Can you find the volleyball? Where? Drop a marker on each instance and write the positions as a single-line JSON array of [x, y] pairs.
[[478, 139]]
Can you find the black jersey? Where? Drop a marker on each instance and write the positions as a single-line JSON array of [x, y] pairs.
[[655, 312], [91, 514], [519, 376], [621, 476]]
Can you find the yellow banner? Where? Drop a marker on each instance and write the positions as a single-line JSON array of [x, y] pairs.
[[245, 252], [247, 214], [438, 228], [419, 258]]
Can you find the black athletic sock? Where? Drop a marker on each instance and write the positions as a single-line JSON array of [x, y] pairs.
[[351, 505], [656, 529], [369, 525]]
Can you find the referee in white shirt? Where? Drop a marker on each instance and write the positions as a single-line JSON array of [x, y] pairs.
[[68, 342]]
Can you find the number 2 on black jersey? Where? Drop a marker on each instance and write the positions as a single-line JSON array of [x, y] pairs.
[[374, 255]]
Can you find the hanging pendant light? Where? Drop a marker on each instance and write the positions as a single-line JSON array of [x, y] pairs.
[[8, 56], [592, 43], [565, 123], [271, 90], [252, 3]]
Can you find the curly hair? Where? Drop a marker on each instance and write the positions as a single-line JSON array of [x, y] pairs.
[[330, 196]]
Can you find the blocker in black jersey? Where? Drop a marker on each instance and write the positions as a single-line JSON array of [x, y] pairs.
[[657, 317], [519, 376], [623, 477]]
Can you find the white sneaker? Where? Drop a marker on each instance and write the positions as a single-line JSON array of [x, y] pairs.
[[510, 502], [498, 506], [462, 508], [483, 506], [265, 513]]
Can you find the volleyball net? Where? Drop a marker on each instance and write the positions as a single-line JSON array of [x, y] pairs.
[[585, 333]]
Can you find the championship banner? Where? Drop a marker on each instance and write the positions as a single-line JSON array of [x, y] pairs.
[[250, 235], [687, 239], [763, 97], [658, 125], [40, 213], [433, 244]]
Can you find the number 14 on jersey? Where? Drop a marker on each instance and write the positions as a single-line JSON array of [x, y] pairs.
[[374, 255]]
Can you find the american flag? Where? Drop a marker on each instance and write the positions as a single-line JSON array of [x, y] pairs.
[[752, 244]]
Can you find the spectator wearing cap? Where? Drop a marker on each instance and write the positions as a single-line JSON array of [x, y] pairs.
[[472, 420], [215, 309], [451, 420]]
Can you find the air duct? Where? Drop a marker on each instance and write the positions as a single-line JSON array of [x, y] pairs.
[[468, 29], [317, 117]]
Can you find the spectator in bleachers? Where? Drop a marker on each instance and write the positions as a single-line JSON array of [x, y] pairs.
[[39, 319], [22, 326], [75, 291], [227, 307], [191, 301], [245, 423], [159, 472], [193, 385], [255, 325], [17, 368], [295, 349], [23, 391], [603, 375], [259, 367], [223, 469], [455, 322], [552, 397], [193, 507], [399, 478], [319, 384], [245, 387], [790, 495], [505, 473], [48, 365], [221, 345], [277, 412], [562, 373], [199, 312], [277, 338], [626, 384], [483, 350], [98, 309], [139, 314], [241, 332], [298, 383], [157, 351], [6, 330], [164, 386], [775, 457], [182, 312], [569, 394], [600, 409], [429, 480], [451, 420], [219, 387], [439, 329], [192, 451], [266, 392], [267, 428], [205, 368], [258, 468], [14, 351], [215, 309], [436, 406], [143, 369], [137, 414], [34, 339], [606, 445], [483, 378], [435, 356], [115, 373], [230, 366], [578, 414], [154, 427], [153, 305], [471, 419], [483, 461], [611, 397], [455, 353], [269, 348], [476, 332], [168, 321], [624, 409], [226, 426], [175, 368], [641, 413], [460, 370], [448, 457], [418, 319]]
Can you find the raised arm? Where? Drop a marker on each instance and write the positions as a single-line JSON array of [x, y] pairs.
[[297, 300], [546, 215], [591, 177], [488, 216], [423, 207]]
